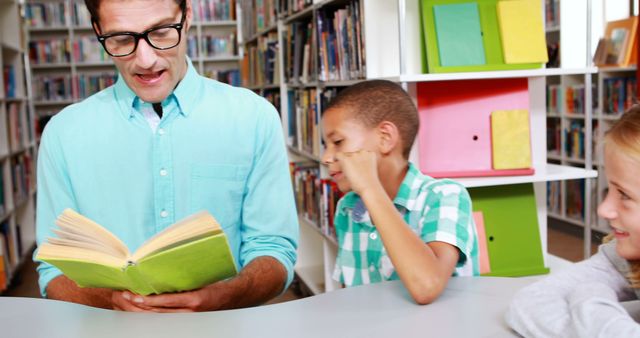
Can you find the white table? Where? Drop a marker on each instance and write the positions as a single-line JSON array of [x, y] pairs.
[[469, 307]]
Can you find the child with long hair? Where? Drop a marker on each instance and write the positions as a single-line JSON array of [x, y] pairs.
[[584, 300]]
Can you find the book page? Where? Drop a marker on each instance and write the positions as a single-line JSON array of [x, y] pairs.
[[71, 222], [193, 227], [47, 251]]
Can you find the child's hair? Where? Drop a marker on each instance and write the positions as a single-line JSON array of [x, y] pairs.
[[375, 101], [624, 135]]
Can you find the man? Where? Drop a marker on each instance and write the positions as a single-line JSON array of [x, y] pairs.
[[159, 145]]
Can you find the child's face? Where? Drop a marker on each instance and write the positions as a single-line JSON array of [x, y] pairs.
[[343, 133], [621, 207]]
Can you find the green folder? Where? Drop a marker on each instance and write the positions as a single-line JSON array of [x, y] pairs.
[[459, 34], [511, 227]]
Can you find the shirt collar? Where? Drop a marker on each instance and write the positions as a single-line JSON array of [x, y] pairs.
[[184, 95]]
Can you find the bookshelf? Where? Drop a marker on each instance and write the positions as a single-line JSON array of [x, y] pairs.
[[394, 54], [574, 137], [67, 63], [17, 148]]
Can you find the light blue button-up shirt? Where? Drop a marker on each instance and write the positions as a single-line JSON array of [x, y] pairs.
[[217, 148]]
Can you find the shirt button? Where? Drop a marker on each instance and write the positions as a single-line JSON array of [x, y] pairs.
[[372, 268], [164, 213], [163, 172], [161, 131], [373, 236]]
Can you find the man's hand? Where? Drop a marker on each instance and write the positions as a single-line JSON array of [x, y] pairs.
[[258, 282]]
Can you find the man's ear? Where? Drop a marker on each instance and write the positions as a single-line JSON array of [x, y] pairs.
[[389, 137], [189, 18]]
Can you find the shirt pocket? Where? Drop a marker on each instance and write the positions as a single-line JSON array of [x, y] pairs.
[[219, 189]]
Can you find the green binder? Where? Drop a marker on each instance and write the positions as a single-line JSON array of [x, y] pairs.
[[459, 34], [511, 227]]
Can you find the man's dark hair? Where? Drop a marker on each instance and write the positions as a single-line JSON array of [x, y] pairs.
[[375, 101], [94, 5]]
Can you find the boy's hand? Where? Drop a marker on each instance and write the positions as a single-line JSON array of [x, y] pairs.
[[360, 168]]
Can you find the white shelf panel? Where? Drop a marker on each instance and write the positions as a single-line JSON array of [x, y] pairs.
[[552, 172], [228, 58], [504, 74], [313, 277], [305, 154], [36, 66], [617, 69]]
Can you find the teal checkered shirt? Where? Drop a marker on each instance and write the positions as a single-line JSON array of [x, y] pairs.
[[436, 210]]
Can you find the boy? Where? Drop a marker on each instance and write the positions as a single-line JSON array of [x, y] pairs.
[[394, 222]]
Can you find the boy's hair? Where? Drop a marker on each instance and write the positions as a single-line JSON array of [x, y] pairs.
[[375, 101], [624, 135], [94, 5]]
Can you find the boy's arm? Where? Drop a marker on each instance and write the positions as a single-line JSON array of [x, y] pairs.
[[423, 268]]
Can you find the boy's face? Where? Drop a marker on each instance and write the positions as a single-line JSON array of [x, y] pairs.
[[621, 207], [151, 73], [343, 133]]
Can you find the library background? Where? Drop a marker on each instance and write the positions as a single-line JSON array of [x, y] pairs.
[[517, 116]]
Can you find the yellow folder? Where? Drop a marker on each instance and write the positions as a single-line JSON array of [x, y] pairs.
[[510, 139], [522, 31]]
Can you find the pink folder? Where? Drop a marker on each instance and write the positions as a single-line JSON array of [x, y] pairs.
[[455, 124]]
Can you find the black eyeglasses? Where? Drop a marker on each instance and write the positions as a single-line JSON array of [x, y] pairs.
[[125, 43]]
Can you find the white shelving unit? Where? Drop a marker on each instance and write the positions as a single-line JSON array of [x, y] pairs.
[[391, 31], [17, 147], [595, 124]]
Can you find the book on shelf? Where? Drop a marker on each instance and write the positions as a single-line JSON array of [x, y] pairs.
[[510, 139], [618, 94], [459, 34], [9, 79], [187, 255], [552, 13], [522, 32]]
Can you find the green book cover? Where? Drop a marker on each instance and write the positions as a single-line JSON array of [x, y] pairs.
[[188, 255], [511, 228], [459, 34]]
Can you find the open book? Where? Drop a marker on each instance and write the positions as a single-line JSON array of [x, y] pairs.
[[187, 255]]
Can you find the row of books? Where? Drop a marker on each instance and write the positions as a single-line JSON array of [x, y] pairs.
[[9, 80], [212, 45], [22, 176], [574, 136], [574, 198], [341, 49], [214, 10], [228, 76], [257, 15], [45, 14], [62, 87], [304, 121], [8, 253], [298, 50], [554, 135], [261, 65], [552, 13], [82, 49], [553, 197], [569, 99], [316, 198], [18, 128], [618, 94]]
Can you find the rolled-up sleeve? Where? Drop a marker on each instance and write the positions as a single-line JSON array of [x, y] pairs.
[[269, 219]]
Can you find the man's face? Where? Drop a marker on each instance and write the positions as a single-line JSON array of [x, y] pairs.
[[151, 73]]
